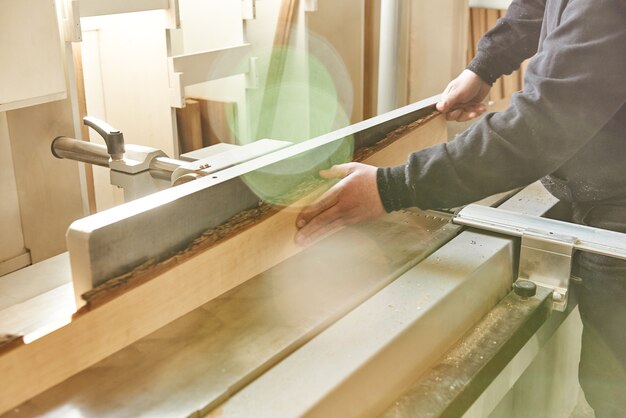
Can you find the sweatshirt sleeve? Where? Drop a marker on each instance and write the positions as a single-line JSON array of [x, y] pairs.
[[514, 38], [573, 88]]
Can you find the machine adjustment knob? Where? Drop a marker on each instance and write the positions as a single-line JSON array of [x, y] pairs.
[[525, 288]]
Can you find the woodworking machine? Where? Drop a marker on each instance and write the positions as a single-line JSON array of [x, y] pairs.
[[141, 170], [194, 301]]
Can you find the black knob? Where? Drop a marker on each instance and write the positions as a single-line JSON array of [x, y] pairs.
[[525, 288]]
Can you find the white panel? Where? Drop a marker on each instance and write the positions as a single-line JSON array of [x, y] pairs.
[[490, 4], [108, 7], [11, 238], [216, 24], [211, 65], [134, 77], [211, 24], [107, 195], [32, 69]]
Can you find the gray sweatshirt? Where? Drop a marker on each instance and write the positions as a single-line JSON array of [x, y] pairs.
[[568, 125]]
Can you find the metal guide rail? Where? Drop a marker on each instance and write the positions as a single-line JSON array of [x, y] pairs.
[[166, 222], [547, 245]]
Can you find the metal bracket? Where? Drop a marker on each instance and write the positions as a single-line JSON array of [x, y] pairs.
[[547, 244], [546, 260]]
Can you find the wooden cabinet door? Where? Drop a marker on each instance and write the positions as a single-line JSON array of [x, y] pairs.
[[32, 69]]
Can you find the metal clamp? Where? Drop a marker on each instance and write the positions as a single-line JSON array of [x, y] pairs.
[[547, 245], [114, 138], [546, 260]]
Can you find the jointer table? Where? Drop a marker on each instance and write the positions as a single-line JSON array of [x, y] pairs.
[[410, 315]]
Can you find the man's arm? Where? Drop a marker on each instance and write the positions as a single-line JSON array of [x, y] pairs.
[[575, 85], [511, 41], [500, 51]]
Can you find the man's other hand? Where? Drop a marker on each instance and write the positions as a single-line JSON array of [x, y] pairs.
[[462, 99], [352, 200]]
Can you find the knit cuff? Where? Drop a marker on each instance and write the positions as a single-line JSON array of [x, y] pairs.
[[483, 66], [394, 191]]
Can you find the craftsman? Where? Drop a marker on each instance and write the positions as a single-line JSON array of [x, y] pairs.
[[567, 126]]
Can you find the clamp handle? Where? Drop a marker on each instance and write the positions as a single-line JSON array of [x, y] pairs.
[[114, 138]]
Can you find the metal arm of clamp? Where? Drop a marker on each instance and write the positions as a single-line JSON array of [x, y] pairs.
[[114, 138], [547, 244]]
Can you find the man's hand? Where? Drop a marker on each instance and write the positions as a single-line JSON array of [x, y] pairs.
[[462, 99], [352, 200]]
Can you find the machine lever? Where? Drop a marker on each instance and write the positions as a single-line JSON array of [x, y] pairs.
[[114, 138]]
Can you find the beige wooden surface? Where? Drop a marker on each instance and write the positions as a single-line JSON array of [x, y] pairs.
[[29, 42], [48, 188], [12, 242], [142, 310]]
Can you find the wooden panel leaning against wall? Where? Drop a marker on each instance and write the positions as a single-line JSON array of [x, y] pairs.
[[30, 42], [40, 195], [48, 188], [13, 255], [202, 123]]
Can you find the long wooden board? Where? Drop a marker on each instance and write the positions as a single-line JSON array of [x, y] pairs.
[[171, 289], [212, 352]]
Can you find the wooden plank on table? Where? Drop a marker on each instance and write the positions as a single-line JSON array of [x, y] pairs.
[[175, 287], [204, 356], [189, 126]]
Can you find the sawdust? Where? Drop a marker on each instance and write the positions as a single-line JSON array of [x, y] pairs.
[[235, 225], [479, 334]]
